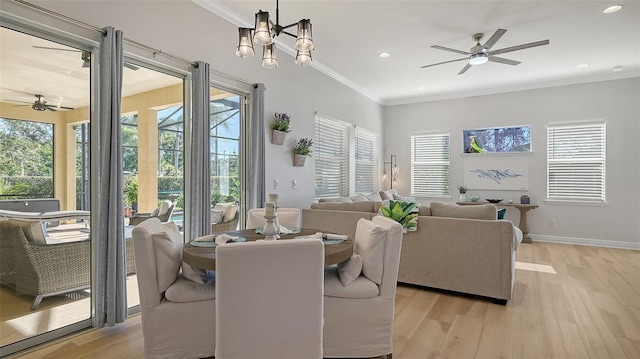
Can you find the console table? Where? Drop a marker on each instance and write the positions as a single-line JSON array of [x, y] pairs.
[[523, 208]]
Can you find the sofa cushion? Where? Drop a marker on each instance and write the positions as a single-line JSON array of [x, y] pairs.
[[167, 247], [424, 211], [336, 199], [355, 207], [183, 290], [358, 198], [229, 211], [350, 269], [370, 245], [33, 230], [216, 217], [482, 211], [360, 288], [373, 197], [388, 194]]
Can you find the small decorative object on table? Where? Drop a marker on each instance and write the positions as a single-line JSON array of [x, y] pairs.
[[280, 128], [491, 200], [270, 229], [524, 199], [463, 191], [475, 198], [301, 150]]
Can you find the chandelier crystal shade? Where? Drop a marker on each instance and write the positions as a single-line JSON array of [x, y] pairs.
[[264, 33]]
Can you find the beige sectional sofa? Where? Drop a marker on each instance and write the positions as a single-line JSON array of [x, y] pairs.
[[458, 248]]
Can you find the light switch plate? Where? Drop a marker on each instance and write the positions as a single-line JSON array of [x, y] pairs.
[[294, 184], [276, 184]]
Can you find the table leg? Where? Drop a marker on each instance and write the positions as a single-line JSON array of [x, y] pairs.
[[523, 225]]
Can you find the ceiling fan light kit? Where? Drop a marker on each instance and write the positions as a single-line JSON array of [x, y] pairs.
[[265, 32], [482, 53]]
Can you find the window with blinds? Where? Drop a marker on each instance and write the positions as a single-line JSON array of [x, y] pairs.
[[430, 164], [576, 156], [331, 155], [366, 158]]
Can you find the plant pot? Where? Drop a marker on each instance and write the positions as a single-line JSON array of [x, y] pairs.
[[298, 160], [277, 137]]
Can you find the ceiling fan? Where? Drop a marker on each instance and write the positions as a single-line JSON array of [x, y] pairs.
[[85, 55], [481, 53], [41, 105]]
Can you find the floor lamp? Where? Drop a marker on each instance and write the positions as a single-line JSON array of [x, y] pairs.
[[393, 165]]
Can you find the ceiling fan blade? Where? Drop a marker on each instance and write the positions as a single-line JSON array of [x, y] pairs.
[[445, 62], [519, 47], [50, 108], [464, 69], [60, 107], [16, 101], [502, 60], [450, 50], [493, 39], [54, 48]]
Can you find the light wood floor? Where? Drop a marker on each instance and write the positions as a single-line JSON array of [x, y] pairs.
[[568, 302]]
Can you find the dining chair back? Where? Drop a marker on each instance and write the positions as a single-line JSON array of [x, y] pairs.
[[288, 217], [270, 298]]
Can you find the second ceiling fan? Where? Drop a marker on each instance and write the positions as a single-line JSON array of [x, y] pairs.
[[481, 53]]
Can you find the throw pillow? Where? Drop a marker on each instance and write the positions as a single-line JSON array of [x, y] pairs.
[[388, 194], [194, 274], [350, 269], [216, 217], [34, 231], [501, 213], [481, 211], [374, 197], [358, 198], [229, 211], [370, 245], [167, 247]]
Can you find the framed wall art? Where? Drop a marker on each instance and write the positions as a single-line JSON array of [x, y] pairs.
[[497, 140], [496, 173]]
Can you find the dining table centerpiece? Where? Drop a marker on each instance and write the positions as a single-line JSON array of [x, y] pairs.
[[301, 150]]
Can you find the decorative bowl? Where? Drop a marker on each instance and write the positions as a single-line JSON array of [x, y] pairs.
[[491, 200]]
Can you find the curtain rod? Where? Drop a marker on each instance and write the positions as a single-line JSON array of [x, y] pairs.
[[132, 42]]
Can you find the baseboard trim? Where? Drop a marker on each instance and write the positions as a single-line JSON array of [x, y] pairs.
[[586, 242]]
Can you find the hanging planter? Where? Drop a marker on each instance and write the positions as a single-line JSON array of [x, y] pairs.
[[277, 137], [280, 128], [301, 150], [299, 160]]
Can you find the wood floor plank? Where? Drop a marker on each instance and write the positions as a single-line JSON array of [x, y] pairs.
[[462, 340], [526, 290], [600, 343], [427, 340], [619, 318], [584, 308], [409, 319], [448, 306], [631, 347], [496, 340], [554, 302], [529, 334], [565, 340]]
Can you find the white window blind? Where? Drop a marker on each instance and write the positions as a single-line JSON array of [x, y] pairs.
[[331, 155], [366, 158], [430, 164], [576, 157]]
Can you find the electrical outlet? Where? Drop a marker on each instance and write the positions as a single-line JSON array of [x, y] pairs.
[[552, 223], [294, 184], [276, 184]]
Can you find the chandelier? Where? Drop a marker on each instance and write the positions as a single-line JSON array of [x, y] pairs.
[[264, 33]]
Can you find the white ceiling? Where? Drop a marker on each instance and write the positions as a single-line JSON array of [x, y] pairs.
[[349, 36]]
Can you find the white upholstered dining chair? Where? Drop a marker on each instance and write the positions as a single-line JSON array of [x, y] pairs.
[[270, 298], [358, 317], [288, 217], [178, 315]]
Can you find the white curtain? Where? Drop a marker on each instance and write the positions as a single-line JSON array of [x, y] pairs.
[[108, 223], [200, 194], [255, 166]]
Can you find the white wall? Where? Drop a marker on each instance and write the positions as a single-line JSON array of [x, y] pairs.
[[616, 102], [184, 29]]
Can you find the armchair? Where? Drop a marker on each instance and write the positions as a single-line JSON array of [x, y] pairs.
[[40, 269], [163, 213]]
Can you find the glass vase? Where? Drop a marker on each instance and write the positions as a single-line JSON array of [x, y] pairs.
[[463, 197]]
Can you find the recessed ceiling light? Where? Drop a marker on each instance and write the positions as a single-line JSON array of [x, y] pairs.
[[582, 66], [420, 88], [611, 9], [385, 54], [617, 68]]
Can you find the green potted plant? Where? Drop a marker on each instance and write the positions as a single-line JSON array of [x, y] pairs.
[[401, 212], [131, 194], [280, 128], [301, 150]]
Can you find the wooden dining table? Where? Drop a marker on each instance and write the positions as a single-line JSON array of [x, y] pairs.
[[205, 257]]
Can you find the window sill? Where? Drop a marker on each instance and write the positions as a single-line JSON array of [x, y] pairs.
[[573, 203]]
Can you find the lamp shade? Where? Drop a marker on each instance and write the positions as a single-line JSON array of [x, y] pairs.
[[303, 58], [262, 32], [478, 59], [269, 59], [245, 45], [304, 41]]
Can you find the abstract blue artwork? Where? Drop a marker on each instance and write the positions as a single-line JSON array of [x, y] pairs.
[[496, 173]]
